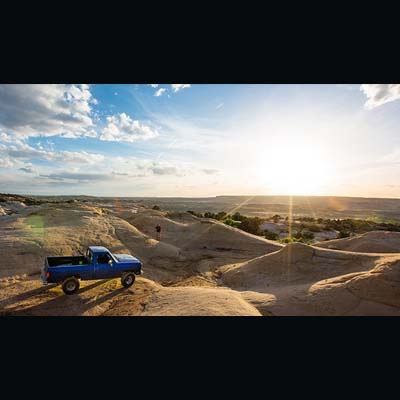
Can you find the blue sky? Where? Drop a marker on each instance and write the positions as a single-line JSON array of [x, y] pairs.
[[200, 140]]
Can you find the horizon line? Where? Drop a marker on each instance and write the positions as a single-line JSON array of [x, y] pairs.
[[198, 197]]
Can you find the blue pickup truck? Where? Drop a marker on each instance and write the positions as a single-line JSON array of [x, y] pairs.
[[98, 263]]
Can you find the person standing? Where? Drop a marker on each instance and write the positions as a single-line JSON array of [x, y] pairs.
[[158, 232]]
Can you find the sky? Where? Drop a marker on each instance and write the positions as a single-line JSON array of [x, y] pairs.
[[197, 140]]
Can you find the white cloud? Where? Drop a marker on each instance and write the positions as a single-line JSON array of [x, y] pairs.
[[158, 170], [77, 157], [91, 134], [45, 109], [379, 94], [210, 171], [153, 85], [120, 173], [121, 128], [10, 154], [5, 162], [176, 87], [28, 169], [159, 92], [77, 176]]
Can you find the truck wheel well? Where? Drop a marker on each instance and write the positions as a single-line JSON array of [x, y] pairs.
[[72, 276]]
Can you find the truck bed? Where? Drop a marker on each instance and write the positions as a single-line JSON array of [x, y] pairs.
[[66, 260]]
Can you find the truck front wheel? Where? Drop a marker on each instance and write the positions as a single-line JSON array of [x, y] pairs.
[[128, 279], [70, 285]]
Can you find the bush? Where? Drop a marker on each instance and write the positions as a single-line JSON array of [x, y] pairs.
[[343, 234], [314, 228], [275, 218], [231, 222], [307, 235], [196, 214], [238, 217], [294, 239], [288, 240], [156, 208], [271, 235], [220, 216], [251, 225], [209, 214]]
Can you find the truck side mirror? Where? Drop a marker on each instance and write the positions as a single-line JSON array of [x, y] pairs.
[[110, 263]]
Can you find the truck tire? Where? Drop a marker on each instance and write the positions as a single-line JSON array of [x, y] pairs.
[[70, 285], [128, 279]]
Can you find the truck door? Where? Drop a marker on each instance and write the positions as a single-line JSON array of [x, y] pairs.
[[87, 271], [103, 269]]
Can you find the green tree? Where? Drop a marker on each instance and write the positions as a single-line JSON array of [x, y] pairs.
[[231, 222], [343, 234], [251, 225], [237, 216], [276, 218], [221, 215], [270, 235]]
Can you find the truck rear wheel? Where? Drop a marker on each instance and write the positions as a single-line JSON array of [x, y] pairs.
[[128, 279], [70, 285]]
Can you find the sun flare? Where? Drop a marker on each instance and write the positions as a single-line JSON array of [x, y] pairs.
[[297, 170]]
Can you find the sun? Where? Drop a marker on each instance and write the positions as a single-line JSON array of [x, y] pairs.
[[295, 170]]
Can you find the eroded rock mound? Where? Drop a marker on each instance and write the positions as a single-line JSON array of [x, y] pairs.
[[194, 234], [370, 242], [374, 292], [296, 262]]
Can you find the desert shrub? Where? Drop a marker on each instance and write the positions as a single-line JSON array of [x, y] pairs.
[[288, 239], [295, 239], [270, 235], [156, 208], [220, 216], [238, 217], [307, 235], [251, 225], [32, 202], [303, 236], [200, 215], [231, 222], [209, 214], [391, 227], [314, 228], [343, 234], [275, 218]]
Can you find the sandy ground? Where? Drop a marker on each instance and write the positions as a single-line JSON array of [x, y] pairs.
[[108, 297], [200, 267]]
